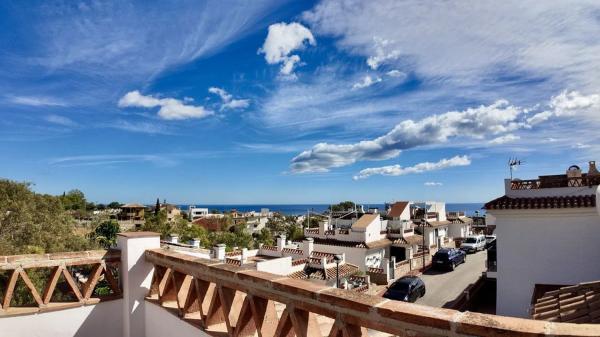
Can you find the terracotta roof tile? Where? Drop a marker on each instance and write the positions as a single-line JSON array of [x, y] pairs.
[[365, 221], [397, 209], [412, 240], [575, 201], [573, 304]]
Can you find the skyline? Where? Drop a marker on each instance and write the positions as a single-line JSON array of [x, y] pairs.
[[295, 102]]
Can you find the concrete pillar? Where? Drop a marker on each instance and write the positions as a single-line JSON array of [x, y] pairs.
[[244, 257], [219, 251], [307, 247], [136, 278], [195, 243], [280, 242]]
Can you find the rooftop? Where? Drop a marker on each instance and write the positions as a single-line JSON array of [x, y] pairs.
[[574, 304]]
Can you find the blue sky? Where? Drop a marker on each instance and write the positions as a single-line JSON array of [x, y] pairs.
[[295, 102]]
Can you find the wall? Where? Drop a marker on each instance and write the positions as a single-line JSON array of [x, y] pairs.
[[161, 323], [550, 246], [104, 319], [281, 266], [354, 255]]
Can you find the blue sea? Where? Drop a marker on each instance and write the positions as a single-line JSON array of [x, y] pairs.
[[297, 209]]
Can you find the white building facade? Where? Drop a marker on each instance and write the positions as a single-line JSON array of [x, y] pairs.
[[548, 233]]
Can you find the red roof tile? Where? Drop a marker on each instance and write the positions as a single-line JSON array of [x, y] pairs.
[[574, 304], [576, 201], [397, 209]]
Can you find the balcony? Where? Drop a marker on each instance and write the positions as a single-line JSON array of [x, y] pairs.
[[556, 181], [167, 292]]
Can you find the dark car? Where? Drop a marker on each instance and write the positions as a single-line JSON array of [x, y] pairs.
[[448, 258], [407, 289]]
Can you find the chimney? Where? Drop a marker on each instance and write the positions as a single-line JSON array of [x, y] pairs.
[[593, 171], [244, 256], [195, 243], [323, 226], [280, 242], [219, 251], [173, 238], [307, 247]]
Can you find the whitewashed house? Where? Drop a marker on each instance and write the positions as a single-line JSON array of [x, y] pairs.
[[364, 244], [548, 235]]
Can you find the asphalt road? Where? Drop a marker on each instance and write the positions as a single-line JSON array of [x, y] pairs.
[[444, 286]]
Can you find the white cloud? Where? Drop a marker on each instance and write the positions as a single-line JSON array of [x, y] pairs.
[[60, 120], [111, 159], [504, 139], [432, 184], [480, 122], [170, 108], [282, 40], [396, 73], [228, 101], [139, 127], [397, 170], [36, 101], [366, 81], [569, 103], [581, 146], [446, 40], [382, 52]]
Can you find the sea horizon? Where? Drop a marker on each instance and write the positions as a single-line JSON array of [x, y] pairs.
[[298, 209]]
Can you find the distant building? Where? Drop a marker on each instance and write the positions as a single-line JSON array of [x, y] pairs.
[[131, 216], [172, 211], [548, 232], [197, 212]]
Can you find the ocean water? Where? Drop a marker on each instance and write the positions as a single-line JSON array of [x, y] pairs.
[[297, 209]]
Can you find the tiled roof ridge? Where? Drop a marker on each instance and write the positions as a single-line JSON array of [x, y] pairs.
[[573, 201], [578, 303]]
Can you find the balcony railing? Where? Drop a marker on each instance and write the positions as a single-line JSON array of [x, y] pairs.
[[68, 280], [554, 182], [213, 295]]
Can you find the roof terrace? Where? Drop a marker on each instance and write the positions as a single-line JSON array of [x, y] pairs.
[[173, 293]]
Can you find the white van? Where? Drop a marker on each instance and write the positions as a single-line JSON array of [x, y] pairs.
[[473, 244]]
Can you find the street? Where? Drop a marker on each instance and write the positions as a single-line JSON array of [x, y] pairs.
[[444, 286]]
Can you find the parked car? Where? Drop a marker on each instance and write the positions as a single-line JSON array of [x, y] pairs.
[[473, 244], [490, 240], [407, 289], [448, 258]]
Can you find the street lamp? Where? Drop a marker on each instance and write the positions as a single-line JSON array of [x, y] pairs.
[[337, 258]]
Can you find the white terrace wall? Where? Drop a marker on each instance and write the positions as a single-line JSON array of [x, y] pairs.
[[104, 319], [164, 323], [281, 266], [550, 246]]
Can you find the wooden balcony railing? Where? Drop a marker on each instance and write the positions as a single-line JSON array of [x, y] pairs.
[[57, 281], [229, 301]]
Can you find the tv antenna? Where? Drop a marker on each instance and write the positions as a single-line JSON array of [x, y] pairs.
[[512, 164]]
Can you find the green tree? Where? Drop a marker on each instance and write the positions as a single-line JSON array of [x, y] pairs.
[[342, 206], [188, 231], [265, 237], [74, 200], [105, 234], [114, 204], [35, 223], [157, 223]]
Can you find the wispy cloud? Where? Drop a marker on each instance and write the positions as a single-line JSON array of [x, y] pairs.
[[366, 81], [112, 159], [504, 139], [36, 101], [170, 108], [228, 102], [60, 120], [139, 127], [283, 39], [432, 184], [397, 170]]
